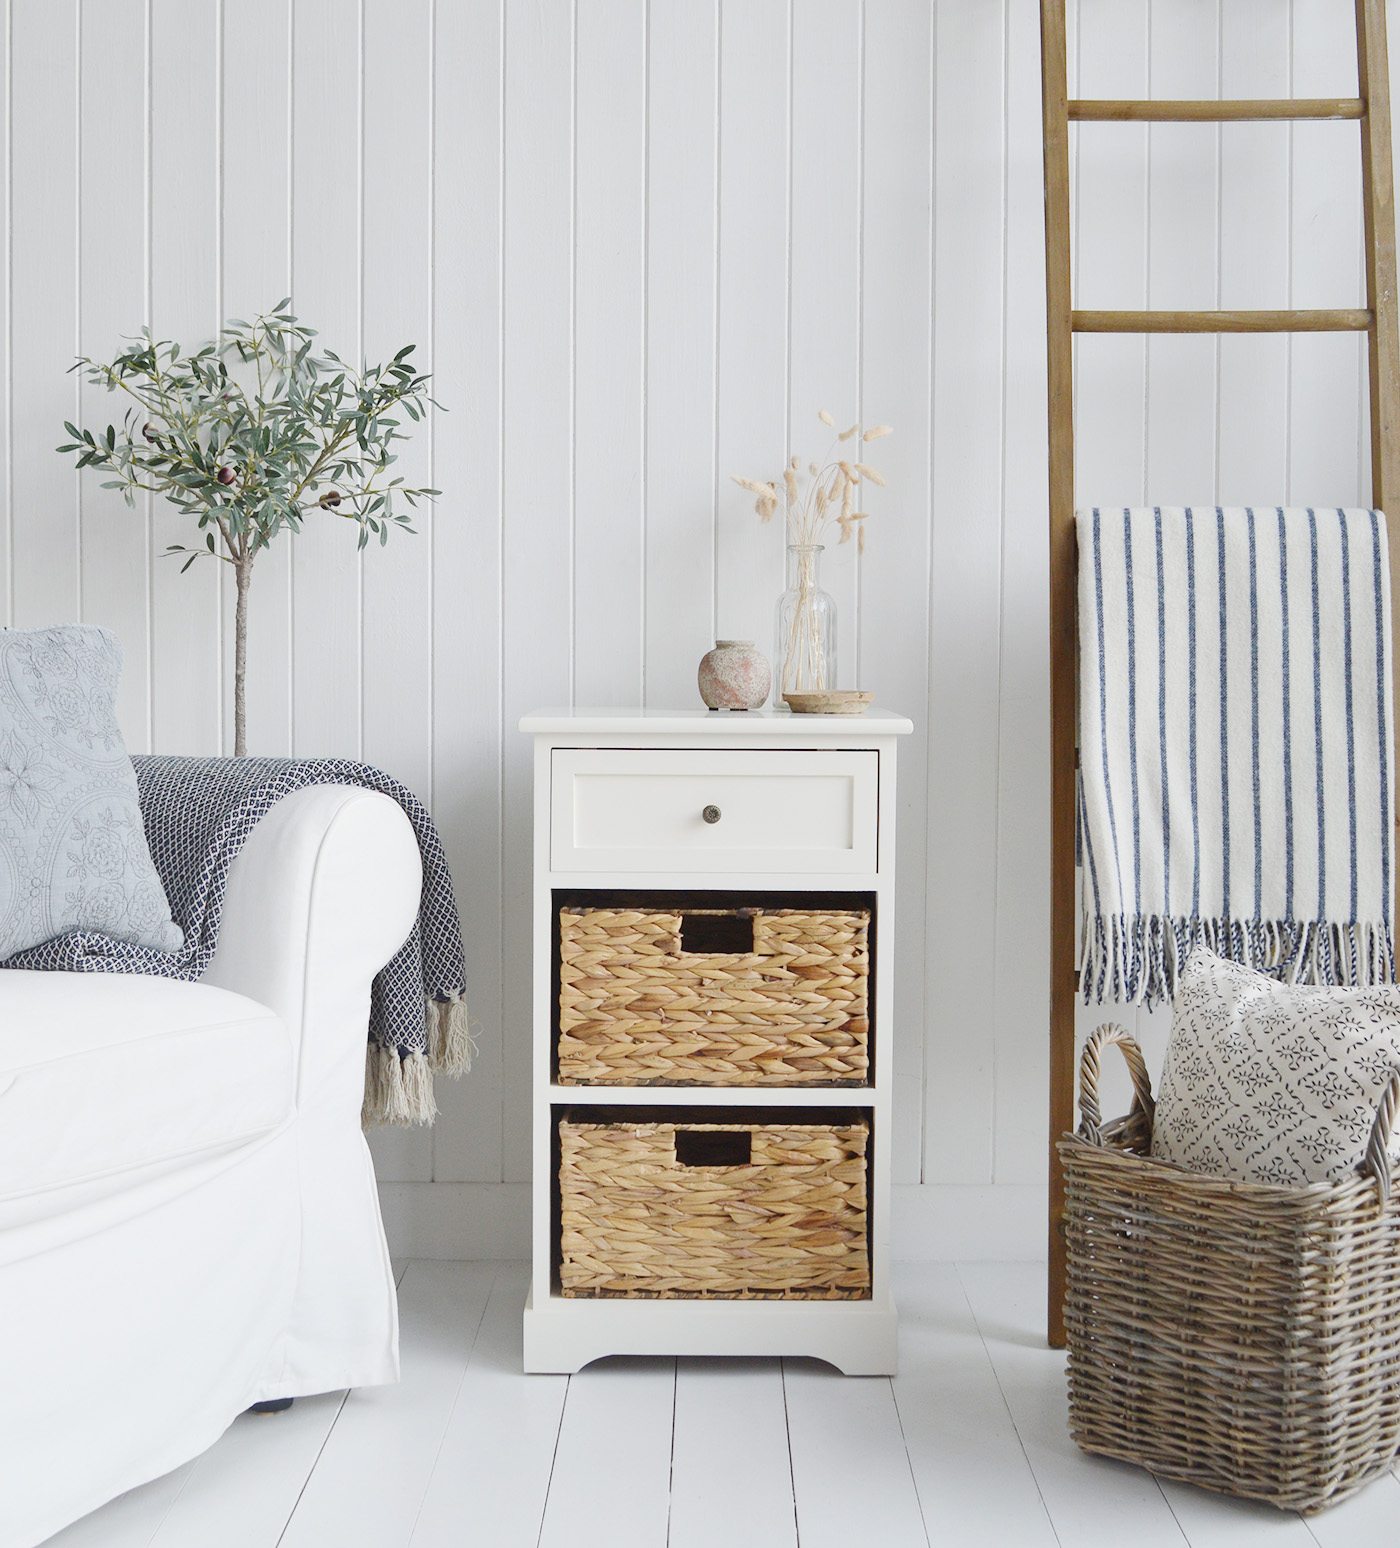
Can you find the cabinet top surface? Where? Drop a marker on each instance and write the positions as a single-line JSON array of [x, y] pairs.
[[702, 722]]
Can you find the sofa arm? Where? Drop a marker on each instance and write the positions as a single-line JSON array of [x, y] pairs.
[[323, 892]]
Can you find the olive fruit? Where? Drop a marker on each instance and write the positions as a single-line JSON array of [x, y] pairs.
[[329, 500], [226, 475]]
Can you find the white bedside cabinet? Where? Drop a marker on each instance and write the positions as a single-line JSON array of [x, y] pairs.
[[671, 809]]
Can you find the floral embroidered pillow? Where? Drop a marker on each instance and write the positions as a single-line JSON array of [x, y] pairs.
[[73, 852], [1272, 1083]]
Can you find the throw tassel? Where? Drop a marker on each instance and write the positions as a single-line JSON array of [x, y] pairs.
[[1136, 960], [450, 1040], [397, 1091]]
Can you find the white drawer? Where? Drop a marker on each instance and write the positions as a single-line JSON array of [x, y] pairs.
[[644, 810]]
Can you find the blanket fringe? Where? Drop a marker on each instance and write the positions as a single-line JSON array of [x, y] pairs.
[[397, 1091], [450, 1042], [1135, 960]]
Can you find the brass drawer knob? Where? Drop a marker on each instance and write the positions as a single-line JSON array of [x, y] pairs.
[[711, 814]]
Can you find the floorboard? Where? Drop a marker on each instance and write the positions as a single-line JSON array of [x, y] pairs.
[[968, 1461], [1089, 1499], [369, 1483], [129, 1521], [731, 1472], [1372, 1516], [850, 1468], [612, 1468], [1213, 1521], [244, 1489], [491, 1477]]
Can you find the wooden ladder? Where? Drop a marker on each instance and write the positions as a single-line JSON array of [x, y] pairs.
[[1371, 110]]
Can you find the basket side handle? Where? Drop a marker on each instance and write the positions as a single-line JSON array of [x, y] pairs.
[[1378, 1146], [1110, 1034]]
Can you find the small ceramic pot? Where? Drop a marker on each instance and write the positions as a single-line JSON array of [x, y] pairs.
[[734, 676]]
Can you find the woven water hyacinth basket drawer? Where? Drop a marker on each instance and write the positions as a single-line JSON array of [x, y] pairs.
[[738, 1210], [713, 996], [1245, 1338]]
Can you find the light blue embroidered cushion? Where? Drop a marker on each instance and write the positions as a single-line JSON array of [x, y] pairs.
[[73, 853]]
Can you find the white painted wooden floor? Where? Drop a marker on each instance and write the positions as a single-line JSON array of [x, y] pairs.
[[967, 1446]]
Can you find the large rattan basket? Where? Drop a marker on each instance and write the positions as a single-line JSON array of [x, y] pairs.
[[636, 1007], [736, 1209], [1241, 1337]]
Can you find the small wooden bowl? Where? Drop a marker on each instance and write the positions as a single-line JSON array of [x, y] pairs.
[[829, 701]]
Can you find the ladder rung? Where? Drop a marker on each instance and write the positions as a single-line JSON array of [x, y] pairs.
[[1210, 111], [1345, 320]]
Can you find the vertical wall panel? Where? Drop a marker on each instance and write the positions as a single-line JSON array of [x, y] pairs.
[[609, 292], [326, 249], [537, 409], [255, 275], [1254, 257], [397, 626], [466, 535], [43, 328], [680, 389], [187, 633], [824, 299], [396, 622], [1023, 750], [961, 811], [897, 263], [1182, 269], [751, 387], [1326, 382], [1110, 254], [112, 306]]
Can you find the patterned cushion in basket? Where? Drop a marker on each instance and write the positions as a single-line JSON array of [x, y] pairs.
[[73, 853], [1271, 1083]]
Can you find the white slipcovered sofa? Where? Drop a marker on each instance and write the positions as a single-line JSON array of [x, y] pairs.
[[188, 1216]]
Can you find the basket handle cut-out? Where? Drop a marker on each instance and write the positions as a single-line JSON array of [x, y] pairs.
[[714, 1147], [722, 934], [1107, 1036], [1378, 1146]]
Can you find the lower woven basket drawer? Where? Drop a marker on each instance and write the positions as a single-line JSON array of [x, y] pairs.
[[670, 1204]]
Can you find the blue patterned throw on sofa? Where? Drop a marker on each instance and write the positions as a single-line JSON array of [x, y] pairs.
[[73, 851]]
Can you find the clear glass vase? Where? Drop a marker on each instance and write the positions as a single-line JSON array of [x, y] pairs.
[[805, 658]]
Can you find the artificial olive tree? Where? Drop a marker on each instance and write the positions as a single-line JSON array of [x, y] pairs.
[[248, 434]]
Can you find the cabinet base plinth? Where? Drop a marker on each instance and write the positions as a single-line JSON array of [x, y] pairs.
[[860, 1338]]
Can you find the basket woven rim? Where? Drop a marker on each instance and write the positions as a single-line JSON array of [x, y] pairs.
[[1304, 1195]]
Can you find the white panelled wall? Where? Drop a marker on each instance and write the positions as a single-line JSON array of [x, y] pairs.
[[640, 243]]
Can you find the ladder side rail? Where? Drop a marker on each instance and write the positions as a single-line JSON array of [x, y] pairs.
[[1379, 211], [1384, 343], [1063, 641]]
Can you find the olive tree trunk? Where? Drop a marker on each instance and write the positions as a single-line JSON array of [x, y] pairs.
[[243, 575]]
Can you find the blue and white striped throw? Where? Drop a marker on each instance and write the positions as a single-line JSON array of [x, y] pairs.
[[1236, 745]]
